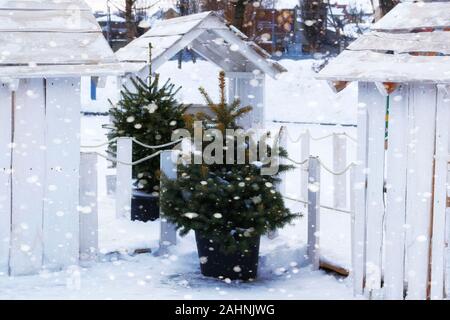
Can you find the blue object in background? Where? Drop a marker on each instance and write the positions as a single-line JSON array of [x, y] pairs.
[[93, 88]]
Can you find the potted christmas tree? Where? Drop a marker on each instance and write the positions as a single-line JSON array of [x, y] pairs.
[[149, 113], [228, 206]]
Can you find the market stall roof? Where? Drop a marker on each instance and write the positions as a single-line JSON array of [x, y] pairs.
[[410, 44], [46, 37], [208, 35]]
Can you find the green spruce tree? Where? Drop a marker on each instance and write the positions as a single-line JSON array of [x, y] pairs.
[[149, 113], [229, 204]]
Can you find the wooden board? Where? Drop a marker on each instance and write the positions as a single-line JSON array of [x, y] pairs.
[[88, 199], [379, 67], [250, 90], [408, 15], [438, 250], [54, 48], [376, 108], [422, 111], [61, 217], [396, 178], [48, 21], [360, 191], [5, 175], [28, 178], [103, 69], [139, 50], [438, 41], [44, 4]]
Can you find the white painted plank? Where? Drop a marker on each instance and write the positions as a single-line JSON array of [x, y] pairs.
[[54, 48], [380, 67], [124, 183], [27, 71], [339, 164], [44, 4], [48, 21], [408, 15], [138, 50], [249, 53], [60, 224], [28, 178], [376, 107], [88, 206], [313, 248], [360, 190], [5, 175], [437, 41], [251, 92], [168, 234], [305, 152], [438, 249], [396, 178], [422, 111]]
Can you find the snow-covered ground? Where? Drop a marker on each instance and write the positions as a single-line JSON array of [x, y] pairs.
[[283, 274]]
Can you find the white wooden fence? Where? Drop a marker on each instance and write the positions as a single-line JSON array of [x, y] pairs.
[[368, 250], [88, 202]]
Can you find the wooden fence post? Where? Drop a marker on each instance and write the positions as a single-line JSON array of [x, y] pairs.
[[376, 108], [281, 187], [422, 120], [283, 144], [88, 206], [339, 163], [124, 178], [305, 153], [352, 219], [6, 103], [396, 180], [314, 213], [360, 193], [438, 252], [168, 236]]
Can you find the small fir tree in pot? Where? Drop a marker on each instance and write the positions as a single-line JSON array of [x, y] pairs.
[[149, 113], [229, 206]]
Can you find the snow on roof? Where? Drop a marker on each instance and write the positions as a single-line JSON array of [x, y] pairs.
[[407, 16], [205, 33], [113, 17], [46, 35], [411, 43]]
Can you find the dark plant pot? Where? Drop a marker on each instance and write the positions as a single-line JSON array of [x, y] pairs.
[[235, 266], [144, 206]]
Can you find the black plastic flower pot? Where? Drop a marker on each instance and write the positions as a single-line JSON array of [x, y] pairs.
[[144, 206], [234, 266]]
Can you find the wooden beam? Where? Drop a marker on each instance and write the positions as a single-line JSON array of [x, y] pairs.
[[438, 245], [396, 177]]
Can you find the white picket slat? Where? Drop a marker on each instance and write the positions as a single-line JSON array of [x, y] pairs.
[[422, 111], [313, 248], [5, 175], [28, 178], [61, 188], [89, 206], [396, 178], [360, 190], [168, 235], [438, 249], [376, 108], [339, 163], [304, 154], [281, 187], [124, 178]]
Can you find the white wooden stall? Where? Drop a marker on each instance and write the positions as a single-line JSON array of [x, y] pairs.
[[399, 245], [246, 65], [45, 48]]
